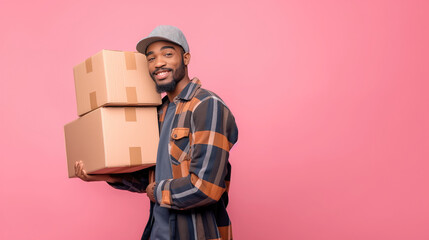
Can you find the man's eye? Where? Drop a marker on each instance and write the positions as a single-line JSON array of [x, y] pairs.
[[150, 59], [168, 54]]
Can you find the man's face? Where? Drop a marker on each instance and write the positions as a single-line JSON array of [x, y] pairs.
[[166, 66]]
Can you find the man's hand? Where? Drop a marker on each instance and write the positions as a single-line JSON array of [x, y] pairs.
[[149, 190], [81, 173]]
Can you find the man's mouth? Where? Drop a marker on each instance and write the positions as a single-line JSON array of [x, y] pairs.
[[162, 74]]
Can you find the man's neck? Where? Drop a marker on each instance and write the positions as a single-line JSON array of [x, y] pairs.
[[179, 87]]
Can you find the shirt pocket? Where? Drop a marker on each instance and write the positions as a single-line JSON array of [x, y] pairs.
[[179, 133], [179, 144]]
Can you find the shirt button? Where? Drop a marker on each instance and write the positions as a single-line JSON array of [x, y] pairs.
[[175, 136]]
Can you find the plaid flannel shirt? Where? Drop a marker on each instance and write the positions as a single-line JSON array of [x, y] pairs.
[[203, 132]]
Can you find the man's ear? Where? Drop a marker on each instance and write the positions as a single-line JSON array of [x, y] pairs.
[[186, 58]]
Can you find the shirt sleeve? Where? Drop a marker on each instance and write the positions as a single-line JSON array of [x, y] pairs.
[[133, 182], [214, 132]]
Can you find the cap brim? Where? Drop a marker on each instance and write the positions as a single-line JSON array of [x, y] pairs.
[[145, 42]]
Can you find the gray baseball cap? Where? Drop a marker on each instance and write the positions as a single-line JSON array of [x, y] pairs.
[[163, 33]]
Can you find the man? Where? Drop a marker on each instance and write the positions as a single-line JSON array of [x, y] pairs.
[[190, 192]]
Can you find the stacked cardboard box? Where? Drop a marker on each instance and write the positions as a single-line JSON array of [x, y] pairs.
[[117, 130]]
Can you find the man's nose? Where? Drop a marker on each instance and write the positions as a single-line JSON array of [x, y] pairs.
[[159, 62]]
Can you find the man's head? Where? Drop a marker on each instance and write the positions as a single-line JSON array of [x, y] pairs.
[[167, 64], [167, 54]]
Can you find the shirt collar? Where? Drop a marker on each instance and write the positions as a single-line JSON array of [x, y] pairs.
[[189, 91]]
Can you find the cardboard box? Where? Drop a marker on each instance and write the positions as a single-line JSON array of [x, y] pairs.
[[113, 140], [114, 78]]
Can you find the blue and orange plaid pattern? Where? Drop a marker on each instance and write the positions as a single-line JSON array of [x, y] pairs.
[[203, 133]]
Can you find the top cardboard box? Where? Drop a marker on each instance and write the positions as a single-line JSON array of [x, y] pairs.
[[114, 78]]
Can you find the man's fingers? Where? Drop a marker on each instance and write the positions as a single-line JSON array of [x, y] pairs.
[[79, 168], [76, 166], [82, 174], [79, 171]]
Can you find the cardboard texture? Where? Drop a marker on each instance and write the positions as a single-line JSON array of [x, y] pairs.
[[114, 78], [113, 140]]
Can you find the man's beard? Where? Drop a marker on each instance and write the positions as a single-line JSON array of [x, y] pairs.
[[178, 75]]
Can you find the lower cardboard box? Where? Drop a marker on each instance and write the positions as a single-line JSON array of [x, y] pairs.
[[113, 140]]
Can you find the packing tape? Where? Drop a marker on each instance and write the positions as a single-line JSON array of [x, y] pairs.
[[135, 156], [131, 94], [130, 114], [130, 60], [88, 65], [93, 100]]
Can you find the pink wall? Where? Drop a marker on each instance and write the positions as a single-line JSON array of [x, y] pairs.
[[331, 98]]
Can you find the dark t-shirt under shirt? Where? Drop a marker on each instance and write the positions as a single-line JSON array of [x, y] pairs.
[[161, 225]]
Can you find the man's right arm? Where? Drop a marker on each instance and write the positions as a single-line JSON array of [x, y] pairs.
[[133, 182], [81, 173]]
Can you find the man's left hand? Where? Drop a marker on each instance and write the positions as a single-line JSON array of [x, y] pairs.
[[149, 191]]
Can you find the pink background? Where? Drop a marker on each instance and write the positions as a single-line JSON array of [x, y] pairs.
[[331, 99]]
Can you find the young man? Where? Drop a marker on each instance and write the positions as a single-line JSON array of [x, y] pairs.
[[197, 131]]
